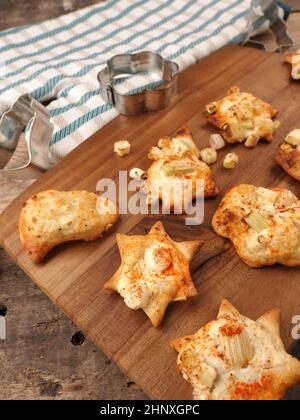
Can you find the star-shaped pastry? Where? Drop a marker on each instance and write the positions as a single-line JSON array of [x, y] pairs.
[[154, 271], [235, 358]]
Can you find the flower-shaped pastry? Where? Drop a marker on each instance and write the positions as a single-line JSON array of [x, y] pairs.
[[262, 223], [242, 117], [288, 156]]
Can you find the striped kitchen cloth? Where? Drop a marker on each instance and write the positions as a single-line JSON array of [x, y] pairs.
[[58, 60]]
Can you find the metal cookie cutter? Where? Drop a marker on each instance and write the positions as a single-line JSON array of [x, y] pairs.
[[14, 121], [279, 29], [147, 100]]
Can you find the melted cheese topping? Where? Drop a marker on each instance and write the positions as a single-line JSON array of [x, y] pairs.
[[175, 169], [137, 295], [170, 188], [157, 272], [217, 363], [278, 241], [242, 117], [157, 258], [55, 215]]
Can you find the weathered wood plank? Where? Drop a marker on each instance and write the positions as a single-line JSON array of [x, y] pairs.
[[39, 358]]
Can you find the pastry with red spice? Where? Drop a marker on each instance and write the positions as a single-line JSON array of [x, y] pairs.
[[176, 167], [154, 271], [235, 358], [242, 117], [262, 223], [288, 156]]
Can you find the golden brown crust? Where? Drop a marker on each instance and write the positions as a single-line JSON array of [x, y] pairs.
[[294, 60], [140, 283], [227, 309], [290, 162], [242, 117], [178, 343], [51, 217], [278, 240], [235, 358], [180, 150]]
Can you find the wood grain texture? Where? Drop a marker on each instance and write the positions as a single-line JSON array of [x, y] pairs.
[[39, 358], [73, 274], [294, 28], [72, 372], [294, 4]]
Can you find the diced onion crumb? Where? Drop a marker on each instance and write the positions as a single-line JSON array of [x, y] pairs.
[[216, 141], [293, 137], [209, 155], [122, 147], [137, 174], [230, 160]]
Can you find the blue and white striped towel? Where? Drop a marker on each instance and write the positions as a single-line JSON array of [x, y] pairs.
[[59, 59]]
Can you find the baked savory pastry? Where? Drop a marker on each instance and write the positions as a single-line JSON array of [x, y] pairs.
[[242, 117], [263, 224], [235, 358], [294, 60], [289, 154], [51, 217], [154, 271], [175, 162]]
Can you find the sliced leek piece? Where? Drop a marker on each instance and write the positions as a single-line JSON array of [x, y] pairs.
[[267, 193], [257, 221], [180, 168], [238, 350], [246, 123]]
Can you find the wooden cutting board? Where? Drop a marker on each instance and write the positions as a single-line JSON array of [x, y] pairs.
[[73, 274]]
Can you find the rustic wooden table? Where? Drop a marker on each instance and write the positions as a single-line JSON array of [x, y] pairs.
[[44, 355]]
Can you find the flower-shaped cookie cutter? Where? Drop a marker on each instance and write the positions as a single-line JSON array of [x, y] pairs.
[[148, 99]]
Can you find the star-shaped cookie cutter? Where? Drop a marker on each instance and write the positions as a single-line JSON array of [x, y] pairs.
[[147, 100], [13, 122]]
